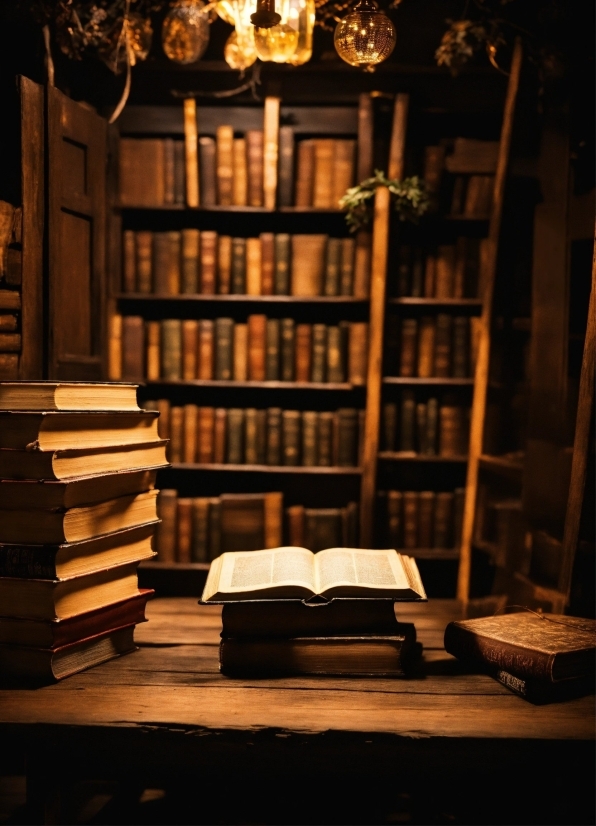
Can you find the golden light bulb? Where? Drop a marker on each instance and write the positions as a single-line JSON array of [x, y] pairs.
[[366, 36], [276, 44], [240, 51], [301, 17], [185, 31]]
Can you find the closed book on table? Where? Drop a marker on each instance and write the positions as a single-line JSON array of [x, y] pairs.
[[336, 371], [287, 348], [273, 430], [290, 437], [253, 266], [303, 351], [409, 348], [285, 170], [309, 438], [206, 353], [410, 525], [273, 502], [141, 172], [184, 530], [445, 272], [394, 518], [322, 528], [205, 434], [272, 353], [343, 169], [308, 264], [235, 436], [346, 276], [239, 176], [133, 348], [347, 437], [426, 347], [389, 418], [176, 433], [426, 515], [190, 348], [305, 173], [224, 142], [461, 347], [220, 428], [250, 436], [358, 353], [207, 178], [238, 275], [325, 442], [319, 353], [240, 357], [443, 527], [295, 525], [224, 334], [208, 262], [242, 522], [443, 337], [282, 245], [254, 150], [323, 189], [171, 349], [332, 267], [165, 535], [407, 420], [267, 245], [257, 347], [224, 264], [129, 262], [190, 261], [199, 551], [362, 262], [144, 260]]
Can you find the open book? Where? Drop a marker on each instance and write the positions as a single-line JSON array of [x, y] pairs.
[[296, 573]]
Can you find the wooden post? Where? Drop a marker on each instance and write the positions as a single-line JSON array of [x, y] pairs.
[[271, 150], [487, 281], [398, 137], [585, 407]]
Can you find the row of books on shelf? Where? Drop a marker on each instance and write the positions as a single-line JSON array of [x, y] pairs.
[[427, 428], [432, 346], [198, 529], [447, 271], [192, 261], [421, 519], [262, 349], [467, 190], [273, 437]]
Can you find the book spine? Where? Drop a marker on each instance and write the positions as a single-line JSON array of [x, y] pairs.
[[165, 534], [325, 438], [308, 264], [389, 426], [208, 262], [205, 358], [239, 266], [323, 173], [452, 440], [273, 519], [261, 437], [200, 530], [207, 158], [394, 518], [287, 346], [272, 354], [459, 270], [421, 427], [254, 148], [168, 176], [443, 345], [153, 349], [426, 347], [285, 169], [335, 361], [426, 516], [224, 147], [290, 435], [250, 436], [184, 533], [319, 352], [33, 562], [224, 264], [270, 150], [239, 175], [408, 349], [133, 348], [410, 511], [305, 171], [407, 441], [347, 436], [403, 270], [273, 447], [445, 272], [240, 357], [174, 257], [282, 263], [257, 347], [303, 352], [179, 173], [358, 353], [430, 266], [235, 446], [190, 152], [161, 263], [309, 438], [171, 349], [224, 334], [443, 527], [214, 528], [417, 283], [253, 266], [457, 195], [362, 263], [332, 266], [190, 349], [129, 262], [115, 348], [267, 240], [434, 161], [189, 433], [295, 525], [346, 278], [190, 261], [461, 347], [144, 258], [176, 434], [365, 136], [343, 169], [432, 427], [220, 428], [206, 435]]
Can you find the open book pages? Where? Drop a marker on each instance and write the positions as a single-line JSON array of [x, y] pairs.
[[286, 573]]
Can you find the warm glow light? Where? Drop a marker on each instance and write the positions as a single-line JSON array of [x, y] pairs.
[[276, 44], [301, 16], [185, 31], [240, 51], [366, 36]]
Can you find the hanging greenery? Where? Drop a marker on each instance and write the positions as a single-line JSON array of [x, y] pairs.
[[409, 197]]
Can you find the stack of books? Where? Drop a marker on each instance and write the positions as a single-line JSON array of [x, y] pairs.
[[287, 611], [78, 464]]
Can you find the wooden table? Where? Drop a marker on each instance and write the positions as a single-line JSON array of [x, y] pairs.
[[165, 715]]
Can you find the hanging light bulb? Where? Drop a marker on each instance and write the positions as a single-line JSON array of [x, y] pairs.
[[301, 16], [276, 44], [365, 37], [185, 31], [240, 51]]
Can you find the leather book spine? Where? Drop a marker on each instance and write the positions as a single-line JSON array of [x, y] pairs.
[[253, 266], [451, 430], [459, 498], [261, 437], [426, 515], [205, 357], [272, 354], [235, 441], [161, 263], [389, 426], [267, 241], [473, 199], [239, 266], [208, 262], [240, 357], [190, 348], [224, 168], [273, 508], [254, 149], [335, 363], [114, 348], [220, 433], [417, 280], [136, 158], [408, 349], [421, 427], [285, 169], [206, 435], [332, 265], [179, 173], [430, 269], [287, 347], [358, 353], [133, 348], [303, 352], [270, 150], [165, 534], [305, 173], [309, 438], [199, 550], [171, 349], [224, 264], [273, 447], [434, 161], [189, 433], [432, 427], [214, 528], [443, 339], [129, 262], [459, 267], [403, 271], [240, 174], [250, 436], [325, 439], [323, 188], [346, 275], [163, 423], [410, 511], [362, 264], [445, 272], [443, 527], [343, 169], [257, 347], [347, 436], [224, 336], [191, 155], [153, 339], [290, 437], [190, 261], [144, 259], [282, 263], [461, 347], [319, 352], [308, 264], [168, 170], [184, 533], [295, 525], [176, 434], [394, 518], [364, 167], [207, 159], [426, 347], [322, 528], [407, 441]]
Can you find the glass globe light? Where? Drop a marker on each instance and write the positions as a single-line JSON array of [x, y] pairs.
[[185, 31], [366, 36], [276, 44], [301, 16], [240, 51]]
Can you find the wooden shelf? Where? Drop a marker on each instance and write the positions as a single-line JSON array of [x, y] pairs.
[[243, 299], [476, 219], [431, 553], [505, 466], [279, 469], [266, 385], [179, 566], [403, 456], [431, 381], [235, 209], [410, 301]]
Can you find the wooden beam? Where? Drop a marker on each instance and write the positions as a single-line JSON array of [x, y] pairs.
[[487, 281]]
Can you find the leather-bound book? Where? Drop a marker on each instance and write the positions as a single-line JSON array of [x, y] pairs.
[[458, 195], [223, 342], [184, 532], [272, 350], [250, 436], [165, 534], [459, 498], [224, 264], [432, 427], [207, 160], [199, 550], [282, 246], [305, 173], [346, 273], [417, 281], [144, 255], [179, 173], [257, 347], [459, 268], [190, 348], [261, 437], [322, 528], [141, 172], [309, 438], [208, 262], [220, 432], [410, 520], [479, 196], [270, 150], [349, 525], [240, 355], [358, 353], [343, 169], [238, 266], [295, 525], [421, 427], [191, 153], [362, 262], [163, 423], [253, 266], [114, 348], [214, 527], [267, 246], [303, 351], [403, 270], [168, 170], [290, 437], [434, 161], [240, 174], [445, 271], [133, 348], [287, 349], [206, 430], [461, 347], [190, 261], [452, 429], [361, 430], [285, 168], [189, 433], [161, 263], [407, 430], [235, 436], [443, 338], [443, 527], [426, 517], [408, 356], [325, 438], [273, 507], [319, 352], [389, 421], [394, 518], [153, 341], [426, 347], [242, 522], [336, 372], [332, 267], [224, 166], [347, 437], [273, 447], [308, 264], [129, 262], [176, 433], [323, 187], [206, 350], [254, 151]]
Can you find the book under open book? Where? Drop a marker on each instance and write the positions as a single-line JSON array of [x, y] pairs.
[[297, 573]]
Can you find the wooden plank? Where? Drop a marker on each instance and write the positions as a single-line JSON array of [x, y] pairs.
[[481, 372]]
